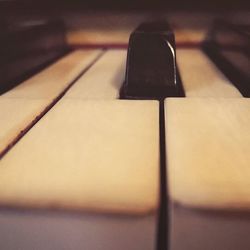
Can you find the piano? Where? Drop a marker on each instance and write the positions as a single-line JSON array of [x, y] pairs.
[[85, 164]]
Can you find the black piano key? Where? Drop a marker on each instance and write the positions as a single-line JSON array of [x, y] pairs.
[[228, 45], [27, 48], [151, 71]]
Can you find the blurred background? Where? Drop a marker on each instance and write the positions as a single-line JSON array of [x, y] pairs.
[[189, 5], [109, 22]]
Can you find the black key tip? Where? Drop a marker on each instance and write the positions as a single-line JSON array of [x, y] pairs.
[[151, 63]]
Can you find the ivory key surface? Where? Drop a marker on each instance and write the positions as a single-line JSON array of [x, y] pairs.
[[25, 103], [87, 155], [200, 76], [208, 145], [50, 82], [15, 116], [103, 80]]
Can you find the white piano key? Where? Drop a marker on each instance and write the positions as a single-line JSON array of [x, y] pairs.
[[15, 116], [201, 78], [25, 103], [208, 144], [103, 80], [50, 82], [87, 155]]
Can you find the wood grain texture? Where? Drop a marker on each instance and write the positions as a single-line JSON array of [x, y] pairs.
[[87, 155], [208, 143], [200, 76], [103, 80], [22, 105]]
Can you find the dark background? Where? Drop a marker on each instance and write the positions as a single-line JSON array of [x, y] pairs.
[[189, 5]]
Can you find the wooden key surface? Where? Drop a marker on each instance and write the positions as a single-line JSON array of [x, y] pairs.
[[208, 156], [87, 155]]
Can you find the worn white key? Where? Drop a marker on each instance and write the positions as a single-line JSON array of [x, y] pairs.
[[103, 80], [53, 80], [208, 143], [23, 104], [15, 116], [201, 77], [98, 156]]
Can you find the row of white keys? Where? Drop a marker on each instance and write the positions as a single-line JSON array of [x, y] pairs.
[[200, 77], [95, 156], [65, 126], [92, 155], [103, 81], [49, 83], [24, 104], [97, 76]]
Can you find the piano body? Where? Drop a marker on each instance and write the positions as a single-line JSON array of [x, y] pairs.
[[81, 168]]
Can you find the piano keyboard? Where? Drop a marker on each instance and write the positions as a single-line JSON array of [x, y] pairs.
[[83, 166], [38, 93]]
